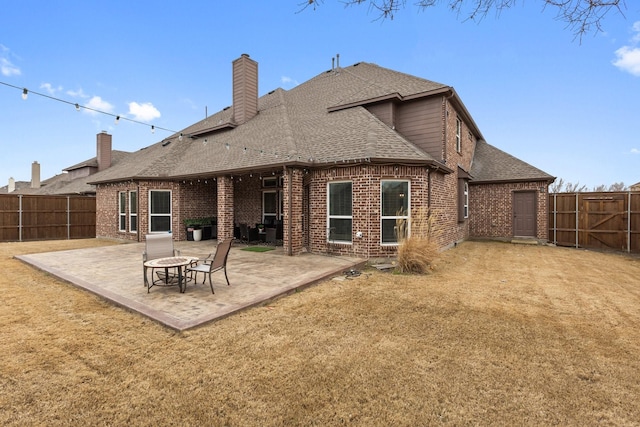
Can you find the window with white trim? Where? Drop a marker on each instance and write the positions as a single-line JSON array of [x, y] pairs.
[[395, 209], [465, 203], [458, 135], [339, 211], [122, 211], [159, 211], [133, 211]]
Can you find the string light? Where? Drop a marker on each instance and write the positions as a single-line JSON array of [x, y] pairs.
[[26, 92], [117, 117]]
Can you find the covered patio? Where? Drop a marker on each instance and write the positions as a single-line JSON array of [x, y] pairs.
[[115, 274]]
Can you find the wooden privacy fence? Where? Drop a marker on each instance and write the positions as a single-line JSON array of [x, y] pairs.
[[608, 220], [28, 217]]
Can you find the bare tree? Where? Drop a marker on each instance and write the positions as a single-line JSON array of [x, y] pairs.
[[581, 16], [560, 186]]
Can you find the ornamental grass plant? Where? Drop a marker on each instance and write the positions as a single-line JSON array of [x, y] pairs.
[[417, 249]]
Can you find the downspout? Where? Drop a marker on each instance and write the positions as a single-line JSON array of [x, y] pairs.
[[429, 190], [138, 210]]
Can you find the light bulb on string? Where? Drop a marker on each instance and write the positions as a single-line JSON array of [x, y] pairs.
[[153, 129], [77, 107], [25, 93], [117, 120]]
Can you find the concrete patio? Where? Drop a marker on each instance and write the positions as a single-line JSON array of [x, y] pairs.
[[115, 273]]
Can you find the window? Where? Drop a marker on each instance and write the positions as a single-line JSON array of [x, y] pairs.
[[133, 211], [395, 209], [269, 207], [458, 135], [463, 199], [122, 211], [159, 211], [339, 209], [466, 199]]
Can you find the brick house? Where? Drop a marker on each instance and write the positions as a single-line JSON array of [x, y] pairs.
[[332, 164]]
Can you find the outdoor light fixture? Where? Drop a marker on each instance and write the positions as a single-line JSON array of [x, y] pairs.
[[153, 129], [77, 107], [25, 93], [117, 120]]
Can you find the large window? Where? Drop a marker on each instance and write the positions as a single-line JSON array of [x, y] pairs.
[[159, 211], [339, 211], [395, 210], [133, 211], [122, 211]]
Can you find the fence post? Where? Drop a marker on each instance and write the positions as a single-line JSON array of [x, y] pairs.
[[577, 220], [629, 221], [68, 218], [555, 218], [20, 217]]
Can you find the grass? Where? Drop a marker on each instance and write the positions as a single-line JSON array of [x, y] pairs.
[[258, 248], [497, 334]]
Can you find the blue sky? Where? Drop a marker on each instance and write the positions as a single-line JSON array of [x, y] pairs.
[[568, 107]]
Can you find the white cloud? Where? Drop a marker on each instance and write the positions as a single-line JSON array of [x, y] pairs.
[[143, 112], [6, 67], [77, 93], [635, 151], [288, 81], [628, 57], [50, 89], [97, 103]]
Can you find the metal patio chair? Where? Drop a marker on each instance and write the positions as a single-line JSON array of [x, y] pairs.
[[213, 263]]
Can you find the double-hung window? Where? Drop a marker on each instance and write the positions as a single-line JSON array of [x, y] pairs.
[[122, 211], [133, 211], [339, 209], [159, 211], [395, 210]]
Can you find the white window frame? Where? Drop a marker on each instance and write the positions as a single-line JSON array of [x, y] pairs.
[[465, 206], [330, 217], [122, 211], [383, 217], [151, 214], [133, 195], [275, 215], [458, 134]]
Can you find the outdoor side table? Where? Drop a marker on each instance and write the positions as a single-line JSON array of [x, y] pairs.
[[177, 262]]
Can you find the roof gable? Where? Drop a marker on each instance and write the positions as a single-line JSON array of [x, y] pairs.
[[493, 165]]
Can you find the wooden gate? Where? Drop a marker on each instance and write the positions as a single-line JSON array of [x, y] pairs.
[[29, 217], [596, 220]]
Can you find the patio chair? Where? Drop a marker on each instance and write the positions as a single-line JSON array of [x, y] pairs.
[[244, 233], [213, 263], [157, 246], [270, 236]]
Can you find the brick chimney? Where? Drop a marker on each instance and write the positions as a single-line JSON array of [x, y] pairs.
[[245, 89], [35, 175], [103, 150]]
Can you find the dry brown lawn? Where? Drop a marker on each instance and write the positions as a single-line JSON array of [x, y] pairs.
[[499, 334]]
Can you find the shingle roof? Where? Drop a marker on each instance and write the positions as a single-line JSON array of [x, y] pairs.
[[291, 126], [493, 165]]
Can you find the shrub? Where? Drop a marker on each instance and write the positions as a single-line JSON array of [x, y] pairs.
[[417, 249]]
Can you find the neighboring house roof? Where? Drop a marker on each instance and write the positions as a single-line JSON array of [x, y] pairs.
[[493, 165], [635, 187], [305, 126], [62, 184]]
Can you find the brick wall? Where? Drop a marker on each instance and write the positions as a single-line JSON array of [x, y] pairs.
[[366, 181], [491, 209]]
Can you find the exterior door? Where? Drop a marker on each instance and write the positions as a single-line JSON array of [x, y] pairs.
[[524, 214]]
